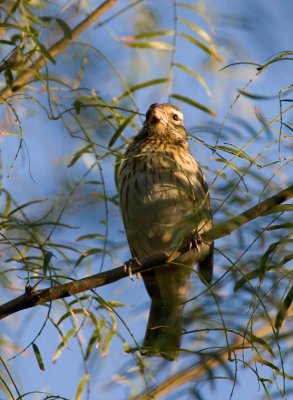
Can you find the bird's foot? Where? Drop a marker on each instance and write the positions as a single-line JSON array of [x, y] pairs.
[[128, 265], [195, 241]]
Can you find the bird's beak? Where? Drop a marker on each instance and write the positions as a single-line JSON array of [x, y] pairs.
[[159, 115]]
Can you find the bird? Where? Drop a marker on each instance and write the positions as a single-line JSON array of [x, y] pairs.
[[164, 199]]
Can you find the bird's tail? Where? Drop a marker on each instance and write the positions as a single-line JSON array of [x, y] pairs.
[[163, 333]]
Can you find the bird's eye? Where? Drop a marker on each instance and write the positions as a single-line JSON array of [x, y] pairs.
[[175, 117]]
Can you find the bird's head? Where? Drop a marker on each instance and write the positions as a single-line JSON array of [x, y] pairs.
[[164, 121]]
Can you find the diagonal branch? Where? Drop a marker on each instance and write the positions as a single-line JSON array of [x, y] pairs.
[[24, 77], [32, 298]]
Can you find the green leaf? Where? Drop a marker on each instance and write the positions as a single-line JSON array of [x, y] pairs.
[[141, 86], [146, 35], [70, 314], [236, 152], [195, 75], [198, 10], [107, 342], [65, 28], [201, 32], [63, 344], [87, 254], [287, 225], [267, 363], [263, 343], [96, 336], [46, 53], [78, 154], [194, 104], [38, 357], [91, 236], [157, 45], [280, 208], [81, 386], [283, 310], [211, 51], [120, 129]]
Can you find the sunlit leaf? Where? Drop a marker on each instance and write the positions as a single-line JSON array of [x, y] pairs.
[[198, 11], [267, 363], [71, 313], [157, 45], [38, 357], [141, 86], [194, 104], [146, 35], [210, 50], [107, 341], [63, 344], [84, 380], [201, 32]]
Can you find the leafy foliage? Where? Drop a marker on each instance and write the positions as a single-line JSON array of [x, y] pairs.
[[72, 111]]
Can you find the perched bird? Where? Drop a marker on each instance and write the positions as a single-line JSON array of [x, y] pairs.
[[163, 199]]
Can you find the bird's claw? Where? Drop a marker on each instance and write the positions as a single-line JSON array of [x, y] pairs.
[[195, 241], [128, 267]]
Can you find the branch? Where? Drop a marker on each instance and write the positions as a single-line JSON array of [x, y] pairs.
[[32, 297], [23, 78]]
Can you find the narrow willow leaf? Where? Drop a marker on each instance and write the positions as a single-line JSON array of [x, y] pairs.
[[198, 10], [211, 51], [283, 310], [146, 35], [255, 96], [78, 154], [91, 236], [141, 86], [118, 162], [280, 208], [70, 314], [120, 130], [287, 225], [29, 203], [81, 386], [151, 45], [87, 254], [263, 343], [194, 104], [63, 344], [246, 278], [65, 28], [201, 32], [45, 51], [107, 341], [267, 363], [96, 337], [38, 357], [195, 75], [236, 152]]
